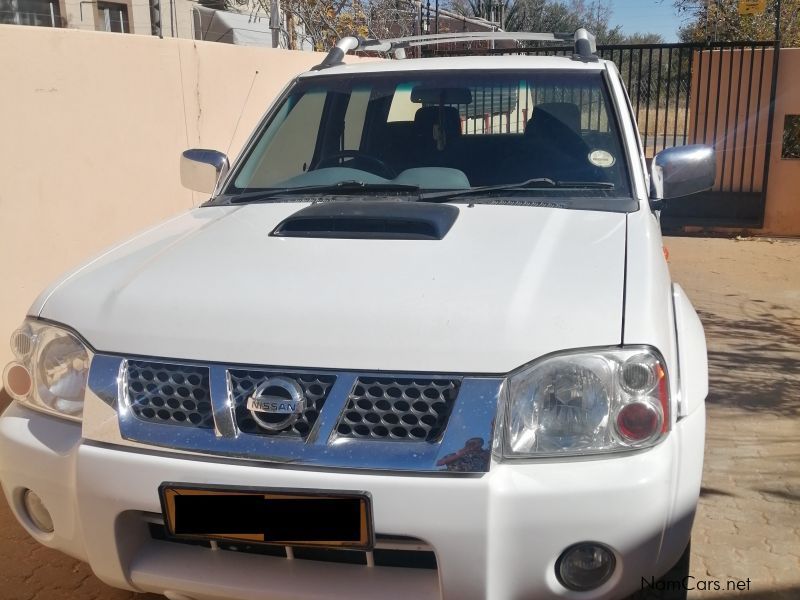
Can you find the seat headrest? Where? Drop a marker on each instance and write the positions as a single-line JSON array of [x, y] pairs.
[[446, 116], [549, 114]]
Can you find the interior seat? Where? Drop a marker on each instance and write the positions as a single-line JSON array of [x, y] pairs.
[[554, 145], [438, 132], [396, 145], [557, 123]]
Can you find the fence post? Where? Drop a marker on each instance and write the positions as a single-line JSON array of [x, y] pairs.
[[772, 93]]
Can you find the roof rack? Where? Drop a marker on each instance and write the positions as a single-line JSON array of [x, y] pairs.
[[584, 43]]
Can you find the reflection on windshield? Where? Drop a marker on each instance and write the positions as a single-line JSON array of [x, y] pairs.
[[437, 131]]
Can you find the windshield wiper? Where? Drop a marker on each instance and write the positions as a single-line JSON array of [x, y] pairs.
[[530, 184], [342, 187]]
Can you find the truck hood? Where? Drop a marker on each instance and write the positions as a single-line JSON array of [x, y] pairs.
[[506, 284]]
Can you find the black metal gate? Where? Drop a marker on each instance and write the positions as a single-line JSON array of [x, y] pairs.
[[720, 94]]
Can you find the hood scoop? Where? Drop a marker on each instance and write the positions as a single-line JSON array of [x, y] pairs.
[[370, 220]]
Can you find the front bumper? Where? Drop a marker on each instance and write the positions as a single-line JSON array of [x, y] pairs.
[[495, 536]]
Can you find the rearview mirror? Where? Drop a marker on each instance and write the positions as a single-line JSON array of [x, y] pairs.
[[201, 170], [681, 171]]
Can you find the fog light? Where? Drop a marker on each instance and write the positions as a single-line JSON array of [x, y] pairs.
[[37, 513], [585, 566]]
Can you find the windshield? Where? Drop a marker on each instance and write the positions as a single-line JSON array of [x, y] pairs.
[[473, 133]]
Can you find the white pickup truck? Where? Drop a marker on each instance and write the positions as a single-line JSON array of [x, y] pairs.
[[421, 342]]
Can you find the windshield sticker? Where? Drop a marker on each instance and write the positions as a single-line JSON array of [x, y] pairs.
[[601, 158]]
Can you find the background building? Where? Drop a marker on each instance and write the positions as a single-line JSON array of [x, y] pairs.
[[245, 23]]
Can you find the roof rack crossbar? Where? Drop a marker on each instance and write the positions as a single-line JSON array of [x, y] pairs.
[[424, 40], [584, 43]]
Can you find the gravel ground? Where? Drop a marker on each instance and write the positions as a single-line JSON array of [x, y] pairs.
[[748, 524]]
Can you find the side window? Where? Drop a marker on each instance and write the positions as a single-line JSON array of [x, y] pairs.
[[44, 13], [355, 117], [114, 17], [495, 109], [402, 109], [584, 109], [288, 151], [594, 113]]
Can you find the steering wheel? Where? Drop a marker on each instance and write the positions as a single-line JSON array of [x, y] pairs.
[[330, 161]]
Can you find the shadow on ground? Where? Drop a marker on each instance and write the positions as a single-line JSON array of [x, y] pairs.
[[754, 359]]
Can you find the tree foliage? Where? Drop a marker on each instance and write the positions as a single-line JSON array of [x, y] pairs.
[[326, 21], [322, 22], [719, 20]]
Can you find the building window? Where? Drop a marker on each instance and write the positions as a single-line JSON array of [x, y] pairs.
[[791, 137], [113, 17], [44, 13]]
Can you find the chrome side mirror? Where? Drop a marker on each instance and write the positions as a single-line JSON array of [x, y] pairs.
[[201, 170], [681, 171]]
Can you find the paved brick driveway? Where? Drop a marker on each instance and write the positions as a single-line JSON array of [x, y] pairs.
[[748, 525]]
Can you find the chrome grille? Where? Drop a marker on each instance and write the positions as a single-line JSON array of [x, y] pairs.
[[398, 409], [315, 390], [441, 413], [169, 393]]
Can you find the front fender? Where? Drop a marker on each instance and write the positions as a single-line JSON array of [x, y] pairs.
[[692, 354]]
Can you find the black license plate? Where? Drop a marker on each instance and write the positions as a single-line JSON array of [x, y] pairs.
[[268, 516]]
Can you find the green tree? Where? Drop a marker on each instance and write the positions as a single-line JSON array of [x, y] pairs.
[[545, 15], [720, 20]]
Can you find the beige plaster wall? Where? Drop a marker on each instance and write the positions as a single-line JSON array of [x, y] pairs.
[[91, 129]]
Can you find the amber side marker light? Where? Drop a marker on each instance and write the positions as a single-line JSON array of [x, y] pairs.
[[663, 397]]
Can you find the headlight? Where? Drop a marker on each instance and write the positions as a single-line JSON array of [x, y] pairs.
[[51, 369], [587, 403]]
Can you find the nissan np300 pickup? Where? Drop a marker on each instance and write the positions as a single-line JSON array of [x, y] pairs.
[[421, 342]]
